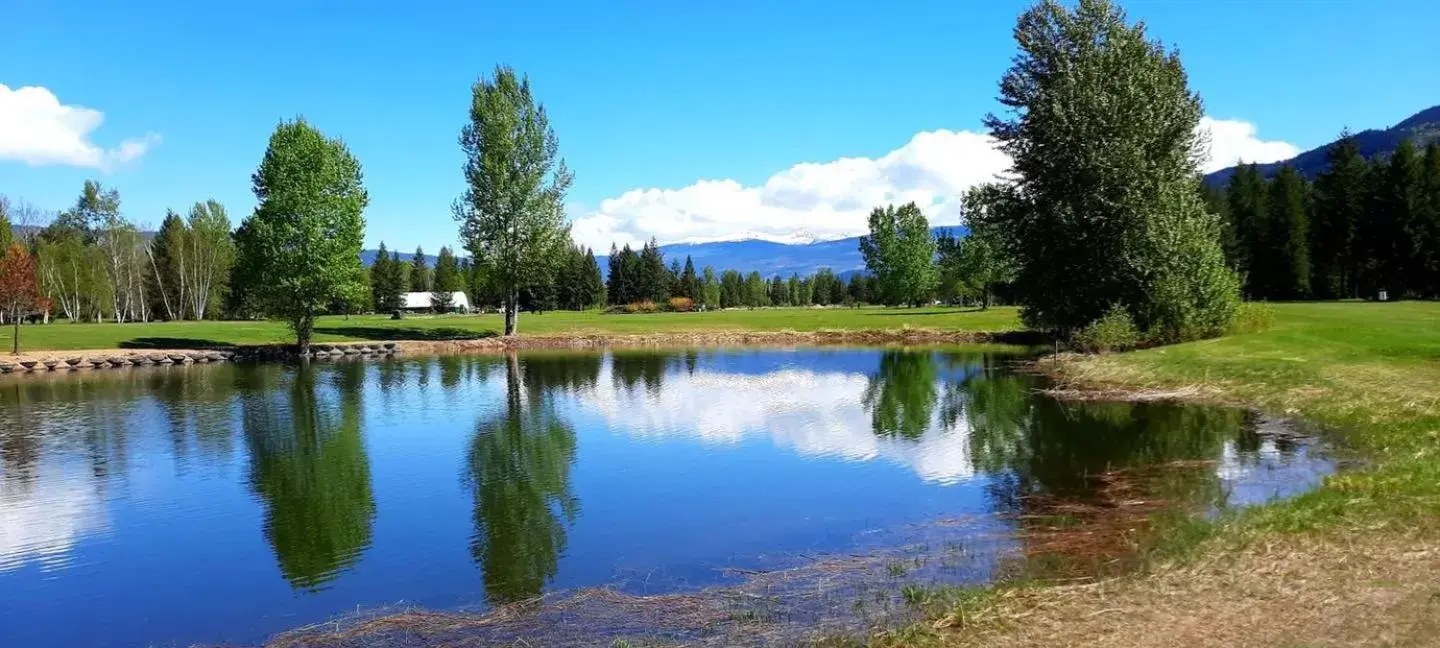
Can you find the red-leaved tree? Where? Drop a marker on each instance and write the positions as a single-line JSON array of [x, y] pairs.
[[19, 293]]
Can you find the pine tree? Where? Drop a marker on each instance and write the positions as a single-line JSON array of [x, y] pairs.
[[381, 289], [689, 284], [446, 281], [420, 279], [1394, 237], [1341, 192], [594, 283], [1247, 199], [1289, 238], [1429, 220]]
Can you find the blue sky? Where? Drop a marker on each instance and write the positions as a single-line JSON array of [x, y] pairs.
[[655, 104]]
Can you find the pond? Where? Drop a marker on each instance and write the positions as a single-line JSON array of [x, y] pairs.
[[209, 504]]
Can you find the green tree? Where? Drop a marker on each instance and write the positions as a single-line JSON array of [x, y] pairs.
[[167, 259], [756, 293], [420, 279], [689, 284], [902, 395], [1341, 191], [301, 248], [209, 256], [1101, 131], [7, 231], [518, 468], [709, 289], [1289, 234], [512, 213], [446, 281], [900, 254], [593, 282], [1394, 223], [1428, 222], [653, 279], [384, 290], [93, 210], [309, 466], [1248, 206]]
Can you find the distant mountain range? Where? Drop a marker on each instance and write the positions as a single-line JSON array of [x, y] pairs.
[[1422, 128], [768, 255]]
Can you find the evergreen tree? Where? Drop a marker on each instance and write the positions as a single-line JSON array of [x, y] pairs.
[[823, 286], [1247, 199], [420, 279], [859, 289], [624, 283], [591, 279], [689, 285], [384, 291], [1394, 228], [1289, 227], [1429, 221], [653, 281], [732, 289], [792, 287], [1341, 192], [446, 281], [778, 293], [166, 255], [672, 280]]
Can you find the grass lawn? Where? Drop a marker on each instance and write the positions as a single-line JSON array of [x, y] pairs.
[[66, 336], [1354, 562]]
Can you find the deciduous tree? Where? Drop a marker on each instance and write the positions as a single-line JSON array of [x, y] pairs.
[[512, 213]]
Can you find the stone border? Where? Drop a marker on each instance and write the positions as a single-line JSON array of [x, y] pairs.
[[77, 360]]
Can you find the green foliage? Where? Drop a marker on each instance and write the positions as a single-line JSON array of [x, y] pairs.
[[386, 292], [300, 250], [1289, 236], [512, 212], [709, 289], [1102, 134], [689, 283], [1115, 331], [1252, 317], [7, 232], [900, 254], [420, 279], [756, 291], [1339, 207], [445, 281]]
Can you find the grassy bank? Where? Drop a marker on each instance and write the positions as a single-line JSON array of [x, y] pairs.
[[1355, 562], [67, 336]]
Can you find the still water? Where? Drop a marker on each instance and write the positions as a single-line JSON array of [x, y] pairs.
[[205, 504]]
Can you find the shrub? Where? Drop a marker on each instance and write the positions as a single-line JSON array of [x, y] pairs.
[[646, 306], [1252, 317], [1114, 331], [682, 304]]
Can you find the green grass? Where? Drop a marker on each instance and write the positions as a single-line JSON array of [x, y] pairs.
[[67, 336]]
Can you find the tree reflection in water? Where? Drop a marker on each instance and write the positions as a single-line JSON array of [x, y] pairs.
[[519, 471], [310, 468]]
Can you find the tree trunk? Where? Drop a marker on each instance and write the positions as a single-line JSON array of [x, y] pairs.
[[16, 320], [512, 312]]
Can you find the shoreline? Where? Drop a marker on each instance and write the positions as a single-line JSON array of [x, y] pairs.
[[58, 361]]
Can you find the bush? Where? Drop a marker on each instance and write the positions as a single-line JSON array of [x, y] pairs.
[[1114, 331], [681, 304], [646, 306], [1252, 317]]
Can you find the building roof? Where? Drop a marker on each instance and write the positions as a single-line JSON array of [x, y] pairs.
[[416, 300]]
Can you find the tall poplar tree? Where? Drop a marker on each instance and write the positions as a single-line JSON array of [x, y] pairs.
[[512, 212]]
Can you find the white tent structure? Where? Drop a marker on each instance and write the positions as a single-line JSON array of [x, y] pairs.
[[421, 301]]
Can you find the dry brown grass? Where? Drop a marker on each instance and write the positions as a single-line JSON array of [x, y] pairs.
[[1356, 589]]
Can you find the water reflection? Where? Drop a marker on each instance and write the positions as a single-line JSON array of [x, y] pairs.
[[350, 469], [309, 466], [519, 471]]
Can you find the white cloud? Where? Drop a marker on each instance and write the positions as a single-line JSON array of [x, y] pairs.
[[830, 200], [1233, 142], [41, 521], [35, 128], [830, 421]]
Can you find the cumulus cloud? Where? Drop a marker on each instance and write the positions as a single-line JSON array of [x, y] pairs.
[[830, 200], [1233, 142], [829, 421], [35, 128]]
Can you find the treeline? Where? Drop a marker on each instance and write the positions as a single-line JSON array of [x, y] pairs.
[[1362, 227], [91, 264]]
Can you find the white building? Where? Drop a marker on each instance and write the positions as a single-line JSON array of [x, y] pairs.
[[422, 301]]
